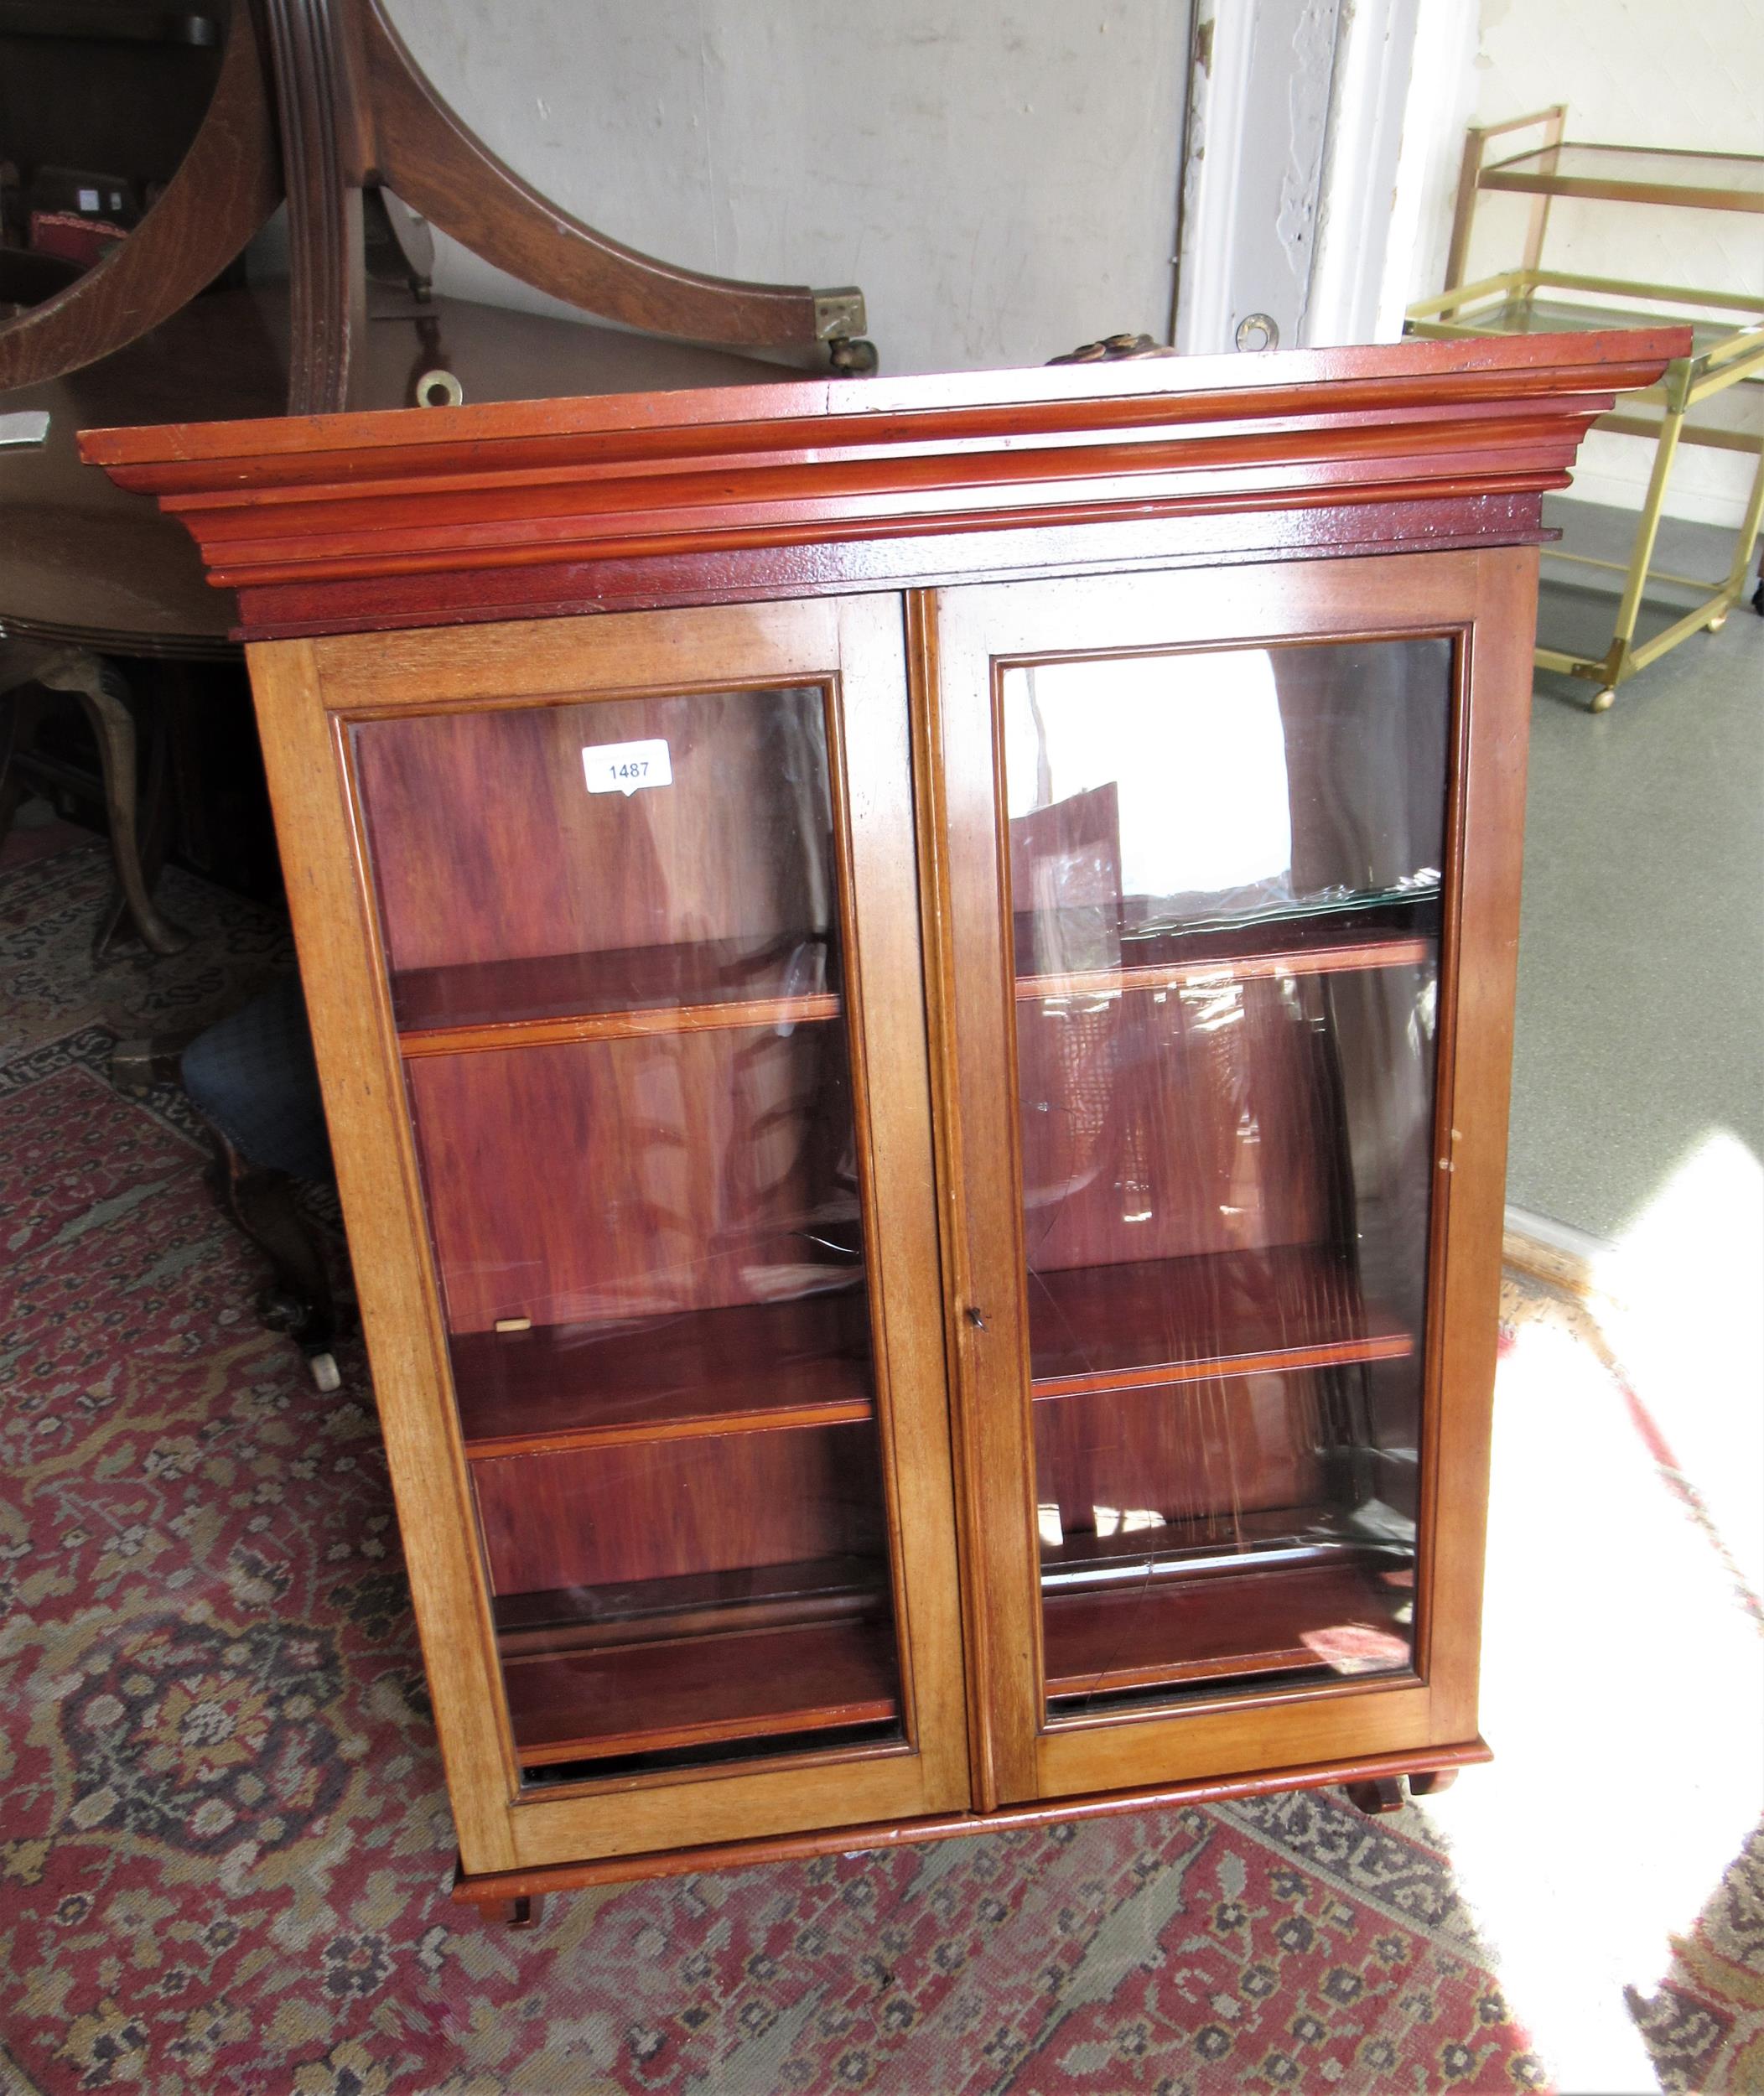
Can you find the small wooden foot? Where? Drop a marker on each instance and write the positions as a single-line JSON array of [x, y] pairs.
[[1431, 1781], [519, 1913], [1376, 1794]]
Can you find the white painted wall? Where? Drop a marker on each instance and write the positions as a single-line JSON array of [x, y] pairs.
[[999, 176], [1442, 94], [1375, 56], [1297, 113], [1632, 72]]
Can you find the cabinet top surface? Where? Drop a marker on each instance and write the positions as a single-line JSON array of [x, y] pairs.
[[1081, 394], [534, 508]]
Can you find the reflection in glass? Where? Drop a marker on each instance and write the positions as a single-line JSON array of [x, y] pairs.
[[612, 939], [1226, 891]]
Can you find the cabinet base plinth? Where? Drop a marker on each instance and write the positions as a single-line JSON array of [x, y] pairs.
[[525, 1911], [495, 1893]]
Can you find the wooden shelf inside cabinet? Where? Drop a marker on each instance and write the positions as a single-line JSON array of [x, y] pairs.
[[1225, 1313], [1163, 1632], [573, 1619], [1237, 1538], [613, 996], [735, 1684], [747, 1368], [1380, 934]]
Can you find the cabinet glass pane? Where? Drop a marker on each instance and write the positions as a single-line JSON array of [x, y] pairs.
[[1225, 895], [612, 933]]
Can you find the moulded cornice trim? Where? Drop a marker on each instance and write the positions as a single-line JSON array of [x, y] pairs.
[[327, 523]]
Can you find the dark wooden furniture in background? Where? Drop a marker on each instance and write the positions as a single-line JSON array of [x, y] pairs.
[[220, 112], [913, 990], [319, 102]]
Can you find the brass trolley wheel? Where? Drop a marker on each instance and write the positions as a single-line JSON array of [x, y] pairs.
[[1601, 699]]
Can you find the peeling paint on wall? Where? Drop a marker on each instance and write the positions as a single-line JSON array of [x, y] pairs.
[[1309, 76], [1259, 123]]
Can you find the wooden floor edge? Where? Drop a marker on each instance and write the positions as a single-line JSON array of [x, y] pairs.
[[532, 1884]]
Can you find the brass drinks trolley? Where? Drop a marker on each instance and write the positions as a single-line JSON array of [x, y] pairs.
[[1724, 352]]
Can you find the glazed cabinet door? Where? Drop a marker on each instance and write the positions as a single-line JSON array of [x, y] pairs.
[[1227, 881], [619, 1016]]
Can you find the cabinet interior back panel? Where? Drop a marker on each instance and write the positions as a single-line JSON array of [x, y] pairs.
[[488, 845], [633, 1178], [668, 1510]]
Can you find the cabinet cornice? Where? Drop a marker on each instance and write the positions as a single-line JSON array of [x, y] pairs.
[[341, 522]]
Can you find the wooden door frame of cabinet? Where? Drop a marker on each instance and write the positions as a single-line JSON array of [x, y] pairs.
[[496, 1889], [310, 695], [1482, 599]]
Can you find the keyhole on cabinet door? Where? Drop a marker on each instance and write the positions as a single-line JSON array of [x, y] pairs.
[[975, 1318]]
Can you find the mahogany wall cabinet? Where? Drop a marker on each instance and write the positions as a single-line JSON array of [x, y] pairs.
[[913, 983]]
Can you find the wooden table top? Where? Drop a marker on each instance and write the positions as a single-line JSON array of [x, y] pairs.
[[83, 559]]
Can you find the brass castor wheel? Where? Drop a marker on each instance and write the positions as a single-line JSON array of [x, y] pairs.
[[1601, 700], [853, 357], [1715, 624]]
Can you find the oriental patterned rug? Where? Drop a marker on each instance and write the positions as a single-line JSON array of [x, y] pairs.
[[224, 1844]]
